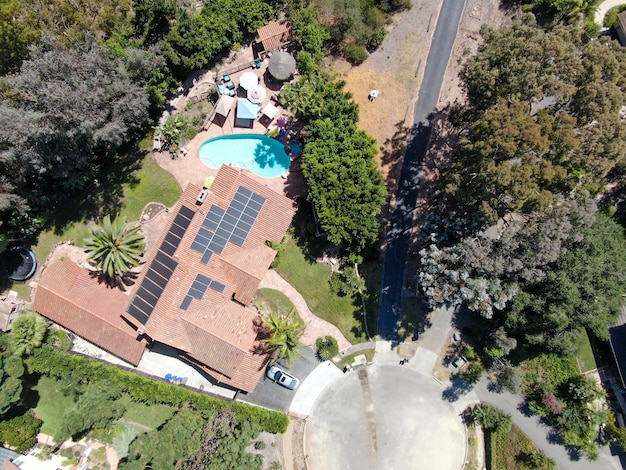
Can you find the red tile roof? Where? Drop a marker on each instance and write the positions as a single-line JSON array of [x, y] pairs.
[[69, 296], [215, 331], [273, 35]]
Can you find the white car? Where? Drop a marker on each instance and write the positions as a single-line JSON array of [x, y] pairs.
[[281, 377]]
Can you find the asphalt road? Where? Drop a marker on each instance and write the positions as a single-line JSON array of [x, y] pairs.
[[542, 435], [406, 195]]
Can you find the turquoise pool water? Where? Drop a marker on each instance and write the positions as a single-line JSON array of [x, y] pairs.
[[255, 152]]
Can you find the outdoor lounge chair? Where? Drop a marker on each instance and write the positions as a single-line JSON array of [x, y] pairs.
[[221, 88], [226, 78], [232, 92], [230, 85]]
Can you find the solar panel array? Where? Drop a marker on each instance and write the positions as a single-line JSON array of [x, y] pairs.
[[161, 268], [231, 225], [198, 289]]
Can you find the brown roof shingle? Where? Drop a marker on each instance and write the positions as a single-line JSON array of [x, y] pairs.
[[274, 34], [215, 331], [69, 296]]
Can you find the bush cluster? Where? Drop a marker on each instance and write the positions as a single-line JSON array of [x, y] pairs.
[[48, 361], [327, 348]]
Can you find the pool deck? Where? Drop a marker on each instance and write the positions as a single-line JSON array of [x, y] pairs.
[[187, 168]]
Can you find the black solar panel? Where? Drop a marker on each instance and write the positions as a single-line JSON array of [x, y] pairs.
[[186, 302], [140, 316], [187, 212], [166, 260], [182, 221], [160, 269], [168, 248], [178, 230], [257, 198], [237, 240], [172, 238], [233, 224], [143, 306], [198, 289], [149, 298], [151, 287], [201, 278], [217, 286], [158, 280]]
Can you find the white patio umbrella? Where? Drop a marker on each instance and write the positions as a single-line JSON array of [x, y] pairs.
[[270, 110], [248, 80], [257, 94]]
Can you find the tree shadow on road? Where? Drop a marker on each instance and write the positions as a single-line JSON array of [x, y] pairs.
[[458, 387]]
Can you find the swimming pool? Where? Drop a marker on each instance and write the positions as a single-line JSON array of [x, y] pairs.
[[255, 152]]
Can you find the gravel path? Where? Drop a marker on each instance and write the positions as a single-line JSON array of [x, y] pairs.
[[315, 327]]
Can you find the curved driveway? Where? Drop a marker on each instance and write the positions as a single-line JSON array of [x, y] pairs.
[[384, 418]]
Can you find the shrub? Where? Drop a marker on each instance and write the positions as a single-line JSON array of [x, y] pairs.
[[356, 54], [46, 360], [472, 374], [20, 432], [259, 445], [377, 38], [469, 353], [335, 282], [327, 348]]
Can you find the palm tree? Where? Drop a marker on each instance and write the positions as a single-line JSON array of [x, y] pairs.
[[27, 333], [116, 248], [284, 337]]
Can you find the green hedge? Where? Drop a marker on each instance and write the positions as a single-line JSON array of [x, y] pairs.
[[49, 361]]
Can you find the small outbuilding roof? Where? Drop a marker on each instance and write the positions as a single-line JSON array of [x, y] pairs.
[[282, 65], [274, 34]]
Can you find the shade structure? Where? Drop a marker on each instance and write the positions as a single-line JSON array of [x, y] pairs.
[[282, 65], [248, 80], [270, 110], [246, 112], [224, 105], [257, 94]]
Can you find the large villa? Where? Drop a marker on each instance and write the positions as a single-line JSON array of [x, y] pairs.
[[194, 285]]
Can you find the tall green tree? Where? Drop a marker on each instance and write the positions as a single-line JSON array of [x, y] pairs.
[[115, 247], [63, 114], [284, 337], [583, 290], [96, 408]]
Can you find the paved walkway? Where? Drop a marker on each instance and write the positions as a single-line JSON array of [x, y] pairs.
[[603, 9], [315, 327]]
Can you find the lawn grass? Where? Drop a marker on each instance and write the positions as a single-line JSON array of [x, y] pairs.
[[52, 404], [151, 416], [154, 184], [151, 183], [347, 360], [311, 280], [275, 301], [585, 356], [512, 450]]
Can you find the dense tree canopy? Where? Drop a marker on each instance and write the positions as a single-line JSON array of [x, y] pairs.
[[338, 161], [544, 118], [583, 290], [541, 135], [65, 111]]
